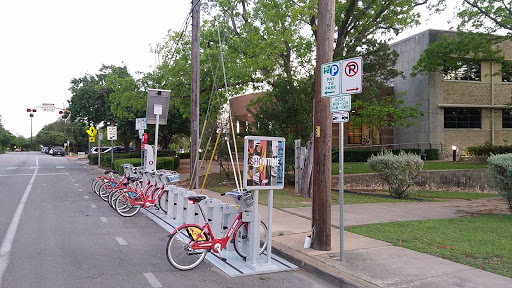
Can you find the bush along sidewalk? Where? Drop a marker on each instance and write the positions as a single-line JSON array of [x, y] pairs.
[[500, 169], [398, 171]]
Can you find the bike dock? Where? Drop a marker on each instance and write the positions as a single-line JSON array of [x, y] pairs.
[[220, 215]]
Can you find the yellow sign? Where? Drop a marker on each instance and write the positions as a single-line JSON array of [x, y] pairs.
[[91, 131], [92, 139]]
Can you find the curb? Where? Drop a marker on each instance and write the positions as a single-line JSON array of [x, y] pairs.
[[320, 269]]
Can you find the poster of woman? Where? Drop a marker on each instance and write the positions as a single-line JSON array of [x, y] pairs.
[[263, 162]]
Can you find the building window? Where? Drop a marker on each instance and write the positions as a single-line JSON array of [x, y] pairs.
[[506, 118], [465, 70], [506, 71], [355, 134], [462, 118]]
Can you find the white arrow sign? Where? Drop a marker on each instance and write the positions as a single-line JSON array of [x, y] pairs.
[[112, 133]]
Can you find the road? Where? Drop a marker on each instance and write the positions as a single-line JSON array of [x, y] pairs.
[[56, 232]]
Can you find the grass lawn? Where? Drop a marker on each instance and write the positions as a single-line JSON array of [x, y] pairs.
[[286, 197], [482, 242], [360, 167]]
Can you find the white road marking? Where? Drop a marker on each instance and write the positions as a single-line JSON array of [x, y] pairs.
[[121, 241], [93, 206], [33, 167], [152, 280], [5, 249], [80, 190], [60, 167], [103, 219], [12, 168], [43, 174], [86, 197], [76, 184]]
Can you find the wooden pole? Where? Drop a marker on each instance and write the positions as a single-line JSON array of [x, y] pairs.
[[323, 132], [194, 94]]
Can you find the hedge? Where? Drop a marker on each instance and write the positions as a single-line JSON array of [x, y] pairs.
[[364, 155], [488, 149], [168, 163], [432, 154]]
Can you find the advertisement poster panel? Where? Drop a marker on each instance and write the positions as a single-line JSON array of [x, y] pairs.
[[263, 163]]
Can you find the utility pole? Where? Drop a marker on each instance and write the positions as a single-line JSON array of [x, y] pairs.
[[194, 97], [323, 132]]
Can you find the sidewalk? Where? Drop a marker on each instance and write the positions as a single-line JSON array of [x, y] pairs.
[[368, 262]]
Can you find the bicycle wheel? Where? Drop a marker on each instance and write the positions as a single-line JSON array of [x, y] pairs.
[[178, 250], [162, 201], [95, 182], [241, 242], [106, 188], [123, 206], [112, 197]]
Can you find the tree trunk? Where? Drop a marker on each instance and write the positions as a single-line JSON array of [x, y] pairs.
[[307, 173]]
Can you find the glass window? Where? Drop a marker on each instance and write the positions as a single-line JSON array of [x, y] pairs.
[[462, 118], [354, 134], [506, 118], [465, 70]]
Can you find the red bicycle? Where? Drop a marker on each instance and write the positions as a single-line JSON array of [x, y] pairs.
[[189, 243], [130, 201]]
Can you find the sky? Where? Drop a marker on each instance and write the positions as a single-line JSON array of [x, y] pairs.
[[45, 44]]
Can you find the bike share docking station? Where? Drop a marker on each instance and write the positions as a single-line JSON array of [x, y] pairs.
[[220, 215]]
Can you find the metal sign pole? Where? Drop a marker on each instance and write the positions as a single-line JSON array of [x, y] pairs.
[[158, 111], [340, 156], [112, 154]]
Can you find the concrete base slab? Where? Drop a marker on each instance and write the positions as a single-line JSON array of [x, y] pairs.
[[234, 265]]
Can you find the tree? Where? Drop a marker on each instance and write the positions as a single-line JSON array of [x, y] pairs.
[[90, 101], [487, 16], [6, 138], [451, 50]]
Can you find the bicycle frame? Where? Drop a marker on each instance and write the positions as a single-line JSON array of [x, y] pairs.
[[212, 244]]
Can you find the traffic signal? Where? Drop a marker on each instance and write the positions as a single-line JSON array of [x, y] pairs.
[[29, 110], [61, 112]]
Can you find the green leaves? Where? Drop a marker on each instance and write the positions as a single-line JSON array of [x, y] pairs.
[[449, 49]]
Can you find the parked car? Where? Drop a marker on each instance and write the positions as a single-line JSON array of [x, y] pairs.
[[43, 150], [58, 150], [94, 150]]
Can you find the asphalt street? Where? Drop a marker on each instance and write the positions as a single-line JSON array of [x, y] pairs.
[[56, 232]]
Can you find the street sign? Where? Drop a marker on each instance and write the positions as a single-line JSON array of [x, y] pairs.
[[341, 103], [112, 133], [91, 131], [340, 117], [92, 139], [141, 124], [48, 107], [331, 80], [351, 75]]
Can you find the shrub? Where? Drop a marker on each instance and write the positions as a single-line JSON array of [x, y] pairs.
[[488, 149], [397, 171], [432, 154], [500, 169]]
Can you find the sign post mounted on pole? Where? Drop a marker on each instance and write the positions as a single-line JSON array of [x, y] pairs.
[[351, 83], [156, 111], [112, 135]]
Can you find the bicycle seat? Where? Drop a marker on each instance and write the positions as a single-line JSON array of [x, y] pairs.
[[196, 199]]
